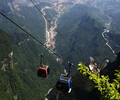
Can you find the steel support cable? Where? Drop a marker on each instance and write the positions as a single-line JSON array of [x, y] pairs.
[[56, 31], [32, 36], [40, 11]]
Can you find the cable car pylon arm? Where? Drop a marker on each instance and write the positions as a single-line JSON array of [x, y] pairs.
[[41, 59], [69, 70]]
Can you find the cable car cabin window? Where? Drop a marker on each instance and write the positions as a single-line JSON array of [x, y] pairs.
[[62, 86], [42, 73]]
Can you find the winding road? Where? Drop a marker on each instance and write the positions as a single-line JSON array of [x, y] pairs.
[[50, 32], [104, 35]]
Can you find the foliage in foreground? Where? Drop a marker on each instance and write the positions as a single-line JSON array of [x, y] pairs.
[[109, 91]]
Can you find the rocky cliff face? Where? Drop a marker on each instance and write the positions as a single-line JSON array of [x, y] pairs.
[[111, 67]]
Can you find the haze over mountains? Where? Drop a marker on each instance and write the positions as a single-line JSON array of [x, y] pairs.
[[79, 29]]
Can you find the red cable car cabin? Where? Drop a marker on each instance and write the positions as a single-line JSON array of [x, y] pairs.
[[43, 71]]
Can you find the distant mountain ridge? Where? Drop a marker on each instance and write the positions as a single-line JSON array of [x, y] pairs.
[[84, 35]]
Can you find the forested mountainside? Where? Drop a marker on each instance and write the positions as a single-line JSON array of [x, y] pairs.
[[21, 81], [82, 28], [83, 88], [19, 73], [5, 45], [24, 15], [84, 36], [11, 86]]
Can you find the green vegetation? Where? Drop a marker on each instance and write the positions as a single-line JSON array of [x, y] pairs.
[[115, 36], [109, 91], [27, 56], [83, 38], [82, 89], [51, 13], [27, 17], [21, 80], [5, 45]]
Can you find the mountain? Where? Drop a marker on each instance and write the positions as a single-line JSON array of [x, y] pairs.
[[7, 73], [18, 74], [83, 30], [21, 81], [110, 8], [83, 88], [5, 45], [26, 16], [84, 36], [83, 33]]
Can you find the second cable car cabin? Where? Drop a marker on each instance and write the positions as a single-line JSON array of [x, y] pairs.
[[43, 70], [64, 82]]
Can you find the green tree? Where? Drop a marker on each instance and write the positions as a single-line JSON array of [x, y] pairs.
[[109, 91]]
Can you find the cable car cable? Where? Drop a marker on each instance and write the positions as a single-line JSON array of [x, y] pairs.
[[56, 31], [32, 36], [40, 10], [68, 88]]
